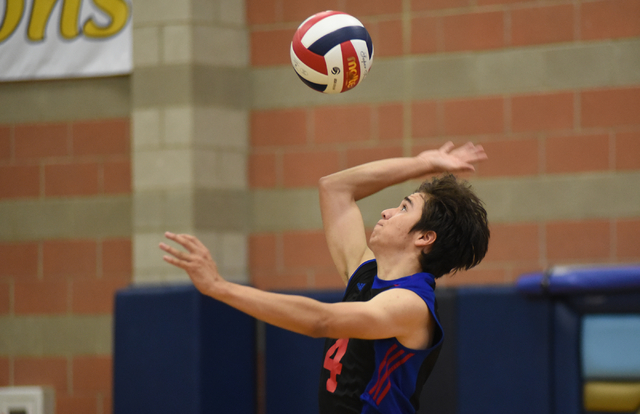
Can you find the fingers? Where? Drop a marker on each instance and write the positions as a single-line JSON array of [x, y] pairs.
[[175, 252], [178, 263], [471, 152], [196, 251], [180, 258], [187, 241], [467, 148], [447, 147], [479, 153], [195, 242]]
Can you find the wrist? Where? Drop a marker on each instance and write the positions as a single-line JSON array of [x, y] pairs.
[[220, 290], [425, 162]]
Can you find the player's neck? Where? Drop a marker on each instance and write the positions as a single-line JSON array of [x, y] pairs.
[[396, 266]]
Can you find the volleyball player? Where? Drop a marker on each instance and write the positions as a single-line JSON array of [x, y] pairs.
[[384, 337]]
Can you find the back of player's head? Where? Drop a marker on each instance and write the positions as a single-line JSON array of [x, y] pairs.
[[458, 218]]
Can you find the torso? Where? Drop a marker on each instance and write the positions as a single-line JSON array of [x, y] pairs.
[[355, 377]]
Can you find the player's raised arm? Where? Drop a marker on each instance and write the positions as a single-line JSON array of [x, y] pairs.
[[342, 220]]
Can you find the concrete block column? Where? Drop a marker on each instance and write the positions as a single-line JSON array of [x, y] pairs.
[[190, 114]]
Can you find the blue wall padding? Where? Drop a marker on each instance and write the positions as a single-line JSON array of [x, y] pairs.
[[503, 352], [611, 347], [581, 280], [566, 382], [177, 351], [292, 365]]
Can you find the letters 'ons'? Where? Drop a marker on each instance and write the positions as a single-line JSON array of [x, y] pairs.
[[40, 13]]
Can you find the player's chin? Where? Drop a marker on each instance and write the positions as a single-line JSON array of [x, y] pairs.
[[374, 237]]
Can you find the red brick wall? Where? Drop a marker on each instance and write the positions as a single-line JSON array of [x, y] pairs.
[[43, 161], [446, 25], [531, 134], [537, 135], [64, 159]]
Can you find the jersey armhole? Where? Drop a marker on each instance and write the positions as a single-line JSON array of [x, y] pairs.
[[434, 314]]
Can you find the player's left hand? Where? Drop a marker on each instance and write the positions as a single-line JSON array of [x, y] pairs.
[[197, 262]]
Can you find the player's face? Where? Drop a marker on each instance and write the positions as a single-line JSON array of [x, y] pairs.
[[397, 222]]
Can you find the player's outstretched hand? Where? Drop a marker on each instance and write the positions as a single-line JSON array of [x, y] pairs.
[[196, 261], [450, 159]]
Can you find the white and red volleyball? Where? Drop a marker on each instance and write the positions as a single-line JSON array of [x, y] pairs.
[[331, 52]]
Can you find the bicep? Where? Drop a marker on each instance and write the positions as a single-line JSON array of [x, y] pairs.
[[344, 231], [393, 313]]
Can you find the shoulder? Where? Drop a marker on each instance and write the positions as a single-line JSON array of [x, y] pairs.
[[412, 314], [409, 294], [401, 299], [361, 281], [422, 284]]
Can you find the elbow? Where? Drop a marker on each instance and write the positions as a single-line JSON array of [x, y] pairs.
[[326, 188], [332, 182], [320, 328], [332, 187], [325, 183]]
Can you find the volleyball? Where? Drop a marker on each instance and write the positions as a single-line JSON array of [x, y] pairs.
[[331, 52]]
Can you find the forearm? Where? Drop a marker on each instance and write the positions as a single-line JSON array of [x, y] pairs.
[[341, 217], [295, 313], [367, 179]]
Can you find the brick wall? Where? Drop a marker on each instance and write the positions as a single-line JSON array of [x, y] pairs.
[[53, 285], [567, 113], [65, 159], [551, 89], [425, 26]]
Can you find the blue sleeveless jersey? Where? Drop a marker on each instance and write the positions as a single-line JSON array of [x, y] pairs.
[[400, 371], [380, 376]]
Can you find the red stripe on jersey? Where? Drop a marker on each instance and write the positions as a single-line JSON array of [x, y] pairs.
[[384, 365], [315, 62], [350, 66], [381, 367], [302, 30], [377, 392], [396, 366], [386, 390], [381, 379]]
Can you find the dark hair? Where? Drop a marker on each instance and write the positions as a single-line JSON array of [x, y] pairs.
[[458, 218]]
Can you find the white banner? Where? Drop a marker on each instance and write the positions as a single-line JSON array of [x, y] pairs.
[[44, 39]]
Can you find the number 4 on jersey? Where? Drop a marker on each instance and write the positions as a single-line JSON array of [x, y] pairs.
[[332, 362]]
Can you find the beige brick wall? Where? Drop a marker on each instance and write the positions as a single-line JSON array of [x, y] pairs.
[[190, 101]]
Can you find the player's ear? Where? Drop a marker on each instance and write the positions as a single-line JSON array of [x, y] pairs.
[[426, 239]]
